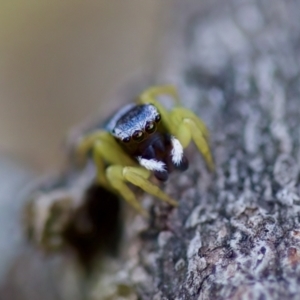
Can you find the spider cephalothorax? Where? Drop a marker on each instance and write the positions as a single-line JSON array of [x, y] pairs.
[[144, 138], [141, 133]]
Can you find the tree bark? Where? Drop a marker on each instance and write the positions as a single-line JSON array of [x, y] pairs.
[[236, 233]]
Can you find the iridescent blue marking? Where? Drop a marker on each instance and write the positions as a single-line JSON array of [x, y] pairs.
[[130, 118]]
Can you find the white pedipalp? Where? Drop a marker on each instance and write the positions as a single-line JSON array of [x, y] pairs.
[[152, 164], [177, 151]]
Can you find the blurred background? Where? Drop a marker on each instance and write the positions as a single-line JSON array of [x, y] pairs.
[[59, 62]]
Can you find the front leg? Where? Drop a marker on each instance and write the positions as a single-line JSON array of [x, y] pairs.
[[155, 91], [139, 177], [119, 175], [189, 127], [105, 151]]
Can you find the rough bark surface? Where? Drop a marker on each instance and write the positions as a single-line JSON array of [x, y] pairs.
[[236, 233]]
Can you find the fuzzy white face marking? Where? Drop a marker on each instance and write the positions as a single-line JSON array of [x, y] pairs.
[[177, 151], [152, 164], [130, 119]]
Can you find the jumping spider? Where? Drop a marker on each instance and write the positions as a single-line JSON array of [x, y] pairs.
[[143, 138], [139, 140]]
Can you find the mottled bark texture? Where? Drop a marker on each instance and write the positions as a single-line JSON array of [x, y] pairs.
[[236, 233]]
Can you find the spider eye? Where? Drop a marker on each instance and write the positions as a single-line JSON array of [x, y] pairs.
[[150, 127], [157, 118], [126, 140], [138, 135]]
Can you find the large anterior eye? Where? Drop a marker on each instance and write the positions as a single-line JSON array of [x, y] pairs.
[[157, 118], [150, 127], [126, 140], [138, 135]]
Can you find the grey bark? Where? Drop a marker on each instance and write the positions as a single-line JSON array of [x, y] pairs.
[[236, 232]]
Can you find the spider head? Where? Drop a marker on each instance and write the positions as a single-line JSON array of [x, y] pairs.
[[141, 132]]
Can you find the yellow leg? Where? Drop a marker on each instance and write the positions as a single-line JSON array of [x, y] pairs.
[[178, 113], [139, 177], [150, 96], [105, 150], [187, 131], [201, 143], [104, 143], [87, 143], [100, 164], [115, 177], [155, 91]]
